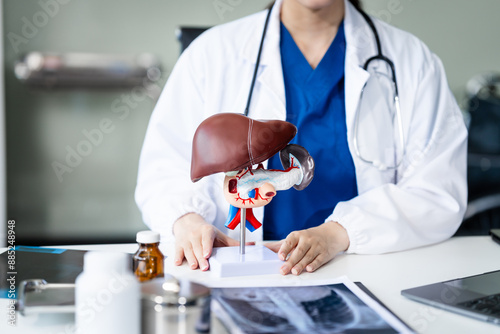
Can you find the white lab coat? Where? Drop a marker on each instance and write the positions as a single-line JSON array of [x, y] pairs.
[[423, 203]]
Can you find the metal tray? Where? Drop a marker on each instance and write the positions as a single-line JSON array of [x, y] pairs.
[[38, 296]]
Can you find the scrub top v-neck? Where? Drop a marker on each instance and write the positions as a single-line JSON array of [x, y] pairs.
[[315, 103]]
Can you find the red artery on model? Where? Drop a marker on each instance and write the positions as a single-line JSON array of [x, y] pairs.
[[250, 220]]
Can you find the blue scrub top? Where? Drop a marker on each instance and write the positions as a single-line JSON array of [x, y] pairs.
[[315, 103]]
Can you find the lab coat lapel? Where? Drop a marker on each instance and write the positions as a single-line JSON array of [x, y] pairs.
[[268, 101], [359, 47]]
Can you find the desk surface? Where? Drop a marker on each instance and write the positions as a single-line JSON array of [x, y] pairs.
[[385, 275]]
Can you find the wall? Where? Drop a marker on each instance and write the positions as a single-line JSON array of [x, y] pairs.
[[94, 201], [464, 34]]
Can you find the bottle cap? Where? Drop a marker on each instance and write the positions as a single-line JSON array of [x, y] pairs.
[[148, 237], [106, 262]]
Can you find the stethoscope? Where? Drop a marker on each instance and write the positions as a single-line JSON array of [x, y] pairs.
[[379, 56]]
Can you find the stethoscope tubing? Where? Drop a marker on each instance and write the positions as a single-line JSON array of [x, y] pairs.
[[257, 62], [379, 56]]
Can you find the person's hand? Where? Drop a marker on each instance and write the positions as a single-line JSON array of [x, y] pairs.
[[310, 249], [194, 240]]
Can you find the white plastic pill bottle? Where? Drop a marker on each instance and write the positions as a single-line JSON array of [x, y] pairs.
[[107, 295]]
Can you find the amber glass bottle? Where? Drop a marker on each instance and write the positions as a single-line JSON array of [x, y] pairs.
[[148, 260]]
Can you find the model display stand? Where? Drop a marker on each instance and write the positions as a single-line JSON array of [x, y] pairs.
[[233, 144], [257, 260]]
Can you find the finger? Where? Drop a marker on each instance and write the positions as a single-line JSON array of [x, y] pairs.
[[232, 242], [203, 263], [207, 243], [288, 244], [222, 240], [179, 255], [190, 257], [274, 246], [305, 261], [198, 253], [316, 263], [295, 257]]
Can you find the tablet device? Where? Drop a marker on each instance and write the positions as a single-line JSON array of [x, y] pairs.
[[474, 296]]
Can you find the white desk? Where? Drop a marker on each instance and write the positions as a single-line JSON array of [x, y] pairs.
[[385, 275]]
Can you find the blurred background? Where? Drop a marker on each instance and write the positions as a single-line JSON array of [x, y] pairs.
[[80, 79]]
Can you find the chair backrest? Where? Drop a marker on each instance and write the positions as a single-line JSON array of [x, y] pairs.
[[185, 35], [484, 128], [483, 161], [484, 135]]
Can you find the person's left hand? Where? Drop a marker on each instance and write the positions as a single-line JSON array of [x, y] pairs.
[[310, 249]]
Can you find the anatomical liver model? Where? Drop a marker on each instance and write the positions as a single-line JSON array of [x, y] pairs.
[[234, 144]]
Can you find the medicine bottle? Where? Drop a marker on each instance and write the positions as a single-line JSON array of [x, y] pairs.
[[107, 295], [148, 260]]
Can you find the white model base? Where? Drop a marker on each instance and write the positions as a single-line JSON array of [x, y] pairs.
[[257, 260]]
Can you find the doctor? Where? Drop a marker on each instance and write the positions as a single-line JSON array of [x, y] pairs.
[[386, 134]]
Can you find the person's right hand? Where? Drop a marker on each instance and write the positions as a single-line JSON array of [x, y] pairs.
[[194, 240]]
